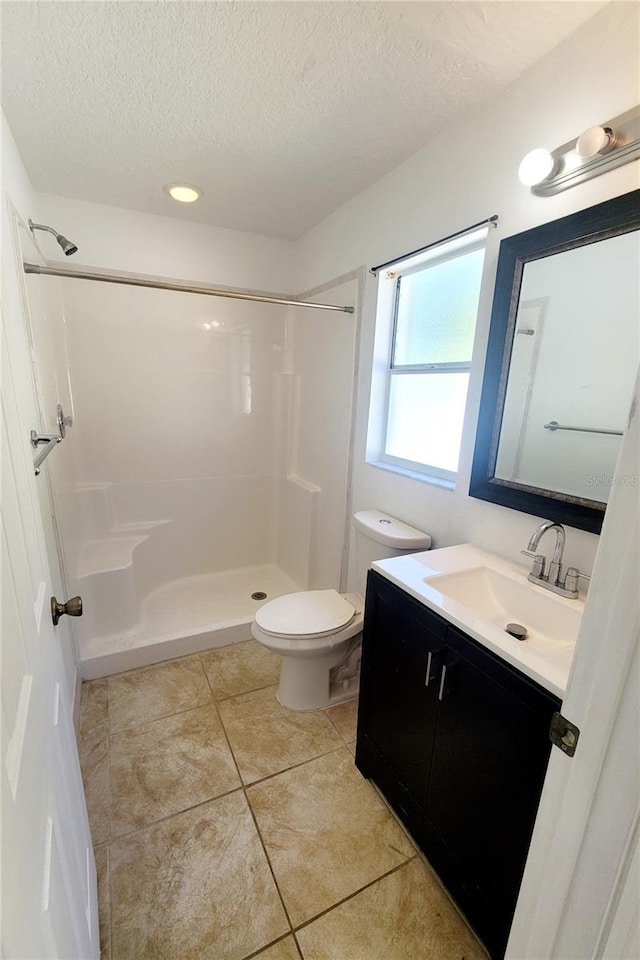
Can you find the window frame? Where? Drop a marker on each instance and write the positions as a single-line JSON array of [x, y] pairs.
[[426, 262]]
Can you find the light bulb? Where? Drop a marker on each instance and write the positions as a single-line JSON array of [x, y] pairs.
[[535, 167], [183, 192], [593, 141]]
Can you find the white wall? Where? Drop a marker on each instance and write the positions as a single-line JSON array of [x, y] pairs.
[[465, 175], [113, 238]]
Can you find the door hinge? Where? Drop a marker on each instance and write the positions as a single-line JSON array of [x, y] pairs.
[[564, 734]]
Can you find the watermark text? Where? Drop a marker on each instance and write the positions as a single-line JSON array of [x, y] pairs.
[[613, 480]]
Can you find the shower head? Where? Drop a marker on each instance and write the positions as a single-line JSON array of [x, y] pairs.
[[68, 247]]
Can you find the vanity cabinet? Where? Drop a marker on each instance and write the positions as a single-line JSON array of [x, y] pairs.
[[404, 642], [458, 742]]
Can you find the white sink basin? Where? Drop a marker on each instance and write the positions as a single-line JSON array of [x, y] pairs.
[[480, 593], [499, 599]]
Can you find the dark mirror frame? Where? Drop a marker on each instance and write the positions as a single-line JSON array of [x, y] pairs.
[[609, 219]]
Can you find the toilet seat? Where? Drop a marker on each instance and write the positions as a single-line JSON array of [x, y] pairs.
[[308, 614], [329, 626]]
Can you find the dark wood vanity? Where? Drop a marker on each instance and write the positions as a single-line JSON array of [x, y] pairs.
[[457, 740]]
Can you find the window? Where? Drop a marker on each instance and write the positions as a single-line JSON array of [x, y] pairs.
[[433, 305]]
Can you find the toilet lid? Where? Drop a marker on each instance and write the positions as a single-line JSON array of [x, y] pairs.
[[310, 611]]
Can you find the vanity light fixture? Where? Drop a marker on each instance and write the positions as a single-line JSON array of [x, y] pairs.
[[183, 192], [595, 140], [536, 167], [597, 150]]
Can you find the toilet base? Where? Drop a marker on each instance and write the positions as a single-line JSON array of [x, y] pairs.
[[306, 684]]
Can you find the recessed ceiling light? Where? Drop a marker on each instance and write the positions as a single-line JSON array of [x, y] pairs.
[[183, 192]]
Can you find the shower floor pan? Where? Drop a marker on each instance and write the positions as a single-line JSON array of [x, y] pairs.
[[187, 616]]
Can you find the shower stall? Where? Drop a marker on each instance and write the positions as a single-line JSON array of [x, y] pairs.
[[207, 467]]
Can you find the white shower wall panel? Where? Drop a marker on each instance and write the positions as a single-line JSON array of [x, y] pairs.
[[215, 523], [320, 362], [172, 385], [178, 428]]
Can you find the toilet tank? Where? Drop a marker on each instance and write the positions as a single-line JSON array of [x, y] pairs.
[[378, 536]]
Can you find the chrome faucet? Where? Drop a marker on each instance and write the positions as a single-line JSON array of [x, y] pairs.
[[556, 563], [553, 580]]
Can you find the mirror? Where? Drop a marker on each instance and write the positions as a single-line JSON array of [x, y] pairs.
[[563, 351]]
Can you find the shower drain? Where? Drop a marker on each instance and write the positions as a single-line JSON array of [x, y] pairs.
[[258, 595]]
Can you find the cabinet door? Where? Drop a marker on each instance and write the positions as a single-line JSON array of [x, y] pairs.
[[489, 761], [398, 700]]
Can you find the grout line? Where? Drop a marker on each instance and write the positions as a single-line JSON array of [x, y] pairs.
[[448, 896], [252, 815], [267, 946], [106, 893], [297, 943], [209, 703], [148, 666], [393, 814], [326, 712], [255, 823], [294, 766], [268, 859], [355, 893], [176, 813], [224, 731], [241, 786], [229, 747], [109, 791], [110, 912], [332, 722], [233, 696], [230, 696], [165, 716]]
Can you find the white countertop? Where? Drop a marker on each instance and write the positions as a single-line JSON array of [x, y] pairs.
[[544, 657]]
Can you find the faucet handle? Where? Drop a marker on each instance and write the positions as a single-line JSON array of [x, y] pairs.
[[538, 562], [573, 575]]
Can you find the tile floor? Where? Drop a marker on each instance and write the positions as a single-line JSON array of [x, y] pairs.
[[226, 827]]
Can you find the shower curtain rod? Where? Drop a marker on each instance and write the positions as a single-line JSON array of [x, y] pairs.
[[137, 281]]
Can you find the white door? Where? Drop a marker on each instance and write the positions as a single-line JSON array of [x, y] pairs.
[[49, 907], [581, 887], [44, 322]]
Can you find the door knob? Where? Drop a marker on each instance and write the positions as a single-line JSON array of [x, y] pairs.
[[73, 608]]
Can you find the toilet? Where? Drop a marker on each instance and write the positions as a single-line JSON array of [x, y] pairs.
[[318, 633]]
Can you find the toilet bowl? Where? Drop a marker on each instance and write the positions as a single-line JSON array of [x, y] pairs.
[[313, 631], [318, 632]]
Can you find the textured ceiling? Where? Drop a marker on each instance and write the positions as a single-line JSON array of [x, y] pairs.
[[280, 111]]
